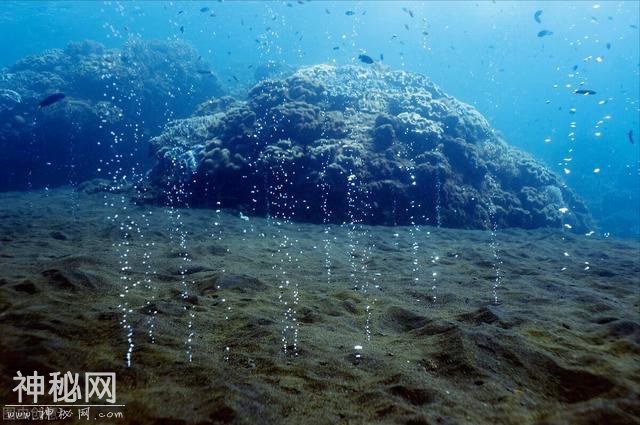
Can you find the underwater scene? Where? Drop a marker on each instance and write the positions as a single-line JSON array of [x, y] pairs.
[[320, 212]]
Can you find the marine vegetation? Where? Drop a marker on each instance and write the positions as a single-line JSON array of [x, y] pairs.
[[377, 146], [64, 111]]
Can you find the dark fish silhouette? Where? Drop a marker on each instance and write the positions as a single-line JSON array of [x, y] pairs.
[[203, 71], [181, 12], [608, 46], [50, 100], [630, 134], [327, 11], [544, 33], [381, 56], [406, 27], [585, 92], [349, 13], [204, 9], [182, 29], [536, 16], [409, 11], [366, 59], [336, 48], [575, 68]]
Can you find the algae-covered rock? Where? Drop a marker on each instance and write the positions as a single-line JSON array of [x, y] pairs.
[[346, 144], [116, 99]]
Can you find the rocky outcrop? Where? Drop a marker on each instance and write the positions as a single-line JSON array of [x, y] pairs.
[[115, 100], [360, 144]]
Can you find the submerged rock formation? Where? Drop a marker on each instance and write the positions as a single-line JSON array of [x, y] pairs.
[[114, 98], [355, 144]]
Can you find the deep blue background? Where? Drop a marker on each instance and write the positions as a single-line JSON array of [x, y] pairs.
[[486, 54]]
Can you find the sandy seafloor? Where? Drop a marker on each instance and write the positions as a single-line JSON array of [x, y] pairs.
[[561, 346]]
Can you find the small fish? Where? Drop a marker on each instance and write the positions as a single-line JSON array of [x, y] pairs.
[[406, 27], [630, 135], [381, 57], [204, 9], [608, 46], [575, 68], [425, 33], [235, 78], [409, 11], [181, 12], [349, 13], [182, 29], [50, 100], [536, 16], [544, 33], [336, 48], [203, 71], [584, 92], [365, 59], [364, 13], [327, 11], [635, 27]]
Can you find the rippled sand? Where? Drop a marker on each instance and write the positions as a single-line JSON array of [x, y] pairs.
[[560, 346]]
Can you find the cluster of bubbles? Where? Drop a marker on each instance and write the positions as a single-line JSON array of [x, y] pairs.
[[282, 205]]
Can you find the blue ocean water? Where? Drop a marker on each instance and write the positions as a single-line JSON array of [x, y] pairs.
[[488, 54], [321, 212]]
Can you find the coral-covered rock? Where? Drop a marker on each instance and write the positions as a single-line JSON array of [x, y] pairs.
[[345, 144], [115, 100]]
